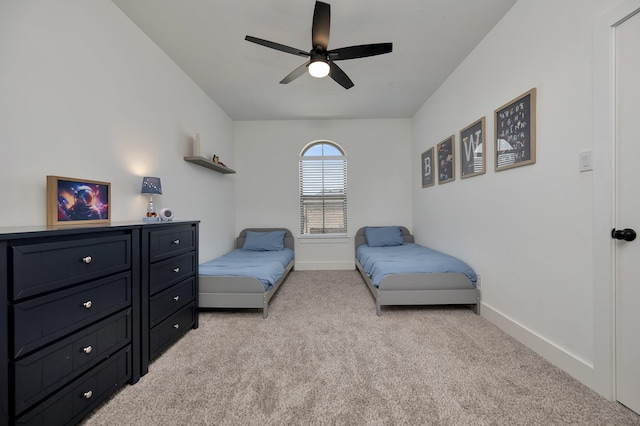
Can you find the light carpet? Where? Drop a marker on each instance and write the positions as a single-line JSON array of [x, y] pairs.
[[323, 357]]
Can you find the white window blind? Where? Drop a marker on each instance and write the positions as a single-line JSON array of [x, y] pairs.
[[323, 191]]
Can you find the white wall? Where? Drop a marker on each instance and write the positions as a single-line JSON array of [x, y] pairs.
[[528, 230], [85, 94], [378, 178]]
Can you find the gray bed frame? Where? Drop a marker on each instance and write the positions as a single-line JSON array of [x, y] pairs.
[[241, 292], [422, 288]]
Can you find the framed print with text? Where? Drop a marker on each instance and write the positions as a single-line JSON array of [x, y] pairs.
[[515, 132], [473, 160], [427, 168]]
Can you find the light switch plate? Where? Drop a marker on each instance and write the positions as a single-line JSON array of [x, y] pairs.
[[586, 164]]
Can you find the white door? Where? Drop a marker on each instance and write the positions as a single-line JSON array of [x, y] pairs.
[[627, 253]]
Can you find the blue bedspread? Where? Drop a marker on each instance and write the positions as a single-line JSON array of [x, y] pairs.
[[408, 258], [266, 266]]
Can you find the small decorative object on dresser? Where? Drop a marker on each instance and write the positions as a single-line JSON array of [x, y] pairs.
[[77, 201], [166, 215], [151, 185]]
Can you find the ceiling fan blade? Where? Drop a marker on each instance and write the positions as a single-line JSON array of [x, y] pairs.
[[321, 25], [339, 76], [362, 51], [277, 46], [295, 73]]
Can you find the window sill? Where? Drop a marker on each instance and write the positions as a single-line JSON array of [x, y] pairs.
[[323, 239]]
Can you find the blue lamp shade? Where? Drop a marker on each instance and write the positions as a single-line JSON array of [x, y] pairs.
[[151, 185]]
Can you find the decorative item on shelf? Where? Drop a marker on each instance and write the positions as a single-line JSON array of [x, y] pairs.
[[166, 215], [196, 145], [151, 185], [216, 160]]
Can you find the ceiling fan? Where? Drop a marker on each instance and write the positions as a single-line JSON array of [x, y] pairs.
[[321, 60]]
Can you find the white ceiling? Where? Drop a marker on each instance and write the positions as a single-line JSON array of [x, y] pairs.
[[206, 39]]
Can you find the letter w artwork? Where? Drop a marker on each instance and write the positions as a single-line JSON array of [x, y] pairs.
[[472, 146]]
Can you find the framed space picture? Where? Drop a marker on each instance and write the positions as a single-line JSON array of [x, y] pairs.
[[427, 168], [515, 132], [473, 160], [77, 201], [446, 160]]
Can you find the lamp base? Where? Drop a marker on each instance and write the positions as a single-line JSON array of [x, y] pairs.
[[151, 219]]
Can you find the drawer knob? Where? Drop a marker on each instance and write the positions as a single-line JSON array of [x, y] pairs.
[[87, 394], [176, 269], [176, 326], [176, 242], [176, 298], [87, 350], [87, 259], [87, 304]]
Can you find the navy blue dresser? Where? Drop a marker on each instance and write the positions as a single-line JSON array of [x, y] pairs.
[[85, 309]]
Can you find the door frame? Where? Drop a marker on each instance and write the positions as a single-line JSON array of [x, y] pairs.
[[604, 309]]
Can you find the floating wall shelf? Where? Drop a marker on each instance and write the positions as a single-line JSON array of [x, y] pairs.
[[204, 162]]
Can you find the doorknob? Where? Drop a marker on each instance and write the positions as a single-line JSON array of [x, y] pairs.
[[623, 234]]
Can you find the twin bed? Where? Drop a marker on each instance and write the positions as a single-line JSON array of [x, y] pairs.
[[399, 272], [250, 275], [396, 270]]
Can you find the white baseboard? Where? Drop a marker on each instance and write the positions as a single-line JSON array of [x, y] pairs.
[[324, 266], [562, 359]]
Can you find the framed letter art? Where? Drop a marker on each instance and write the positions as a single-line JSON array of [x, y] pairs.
[[515, 132], [473, 160], [427, 168], [446, 160]]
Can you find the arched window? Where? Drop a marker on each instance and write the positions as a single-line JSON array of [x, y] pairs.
[[323, 189]]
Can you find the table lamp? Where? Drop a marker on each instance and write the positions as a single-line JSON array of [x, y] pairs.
[[151, 185]]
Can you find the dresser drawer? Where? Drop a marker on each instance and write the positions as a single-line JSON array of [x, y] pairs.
[[171, 271], [41, 373], [70, 404], [170, 300], [171, 242], [40, 268], [168, 330], [40, 321]]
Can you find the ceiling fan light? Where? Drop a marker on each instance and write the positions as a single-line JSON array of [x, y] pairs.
[[319, 69]]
